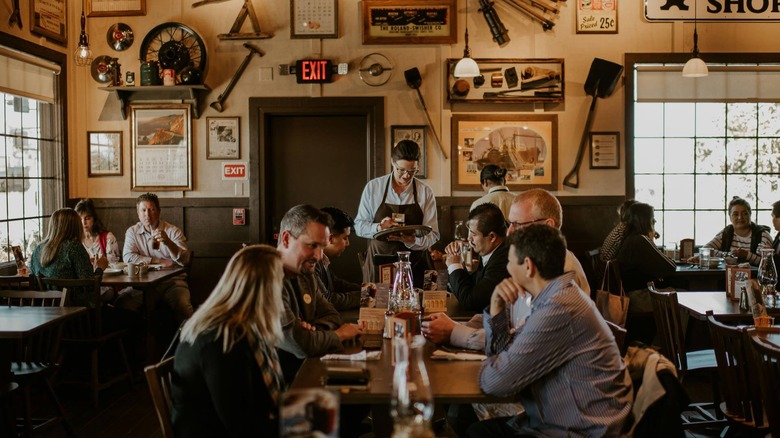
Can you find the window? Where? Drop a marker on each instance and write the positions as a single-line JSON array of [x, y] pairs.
[[693, 144], [32, 155]]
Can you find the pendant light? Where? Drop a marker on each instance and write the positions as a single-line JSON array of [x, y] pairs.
[[466, 67], [695, 67], [83, 55]]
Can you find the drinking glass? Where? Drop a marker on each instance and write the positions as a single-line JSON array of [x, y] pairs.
[[462, 237], [704, 258], [767, 276]]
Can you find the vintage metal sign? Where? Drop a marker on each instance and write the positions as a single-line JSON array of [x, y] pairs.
[[712, 10]]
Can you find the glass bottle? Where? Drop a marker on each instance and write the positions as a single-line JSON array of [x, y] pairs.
[[403, 297], [767, 276], [462, 237], [411, 405]]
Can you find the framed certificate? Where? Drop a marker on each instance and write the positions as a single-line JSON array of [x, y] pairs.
[[605, 150], [115, 8], [50, 19], [409, 22], [314, 19]]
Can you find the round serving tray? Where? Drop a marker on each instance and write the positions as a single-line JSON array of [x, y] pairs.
[[419, 231]]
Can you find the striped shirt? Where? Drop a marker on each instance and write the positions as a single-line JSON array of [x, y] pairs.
[[563, 364], [739, 242]]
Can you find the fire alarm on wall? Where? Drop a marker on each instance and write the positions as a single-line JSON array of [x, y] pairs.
[[239, 216]]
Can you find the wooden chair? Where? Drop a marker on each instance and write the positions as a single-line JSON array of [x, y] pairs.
[[88, 334], [35, 359], [14, 282], [738, 376], [666, 311], [767, 361], [597, 267], [158, 377]]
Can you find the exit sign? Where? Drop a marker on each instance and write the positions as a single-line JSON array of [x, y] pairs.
[[234, 171], [314, 71]]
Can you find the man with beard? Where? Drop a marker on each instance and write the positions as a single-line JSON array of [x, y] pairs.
[[311, 325]]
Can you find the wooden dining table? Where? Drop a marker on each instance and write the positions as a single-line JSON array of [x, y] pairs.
[[694, 278], [147, 284], [697, 303]]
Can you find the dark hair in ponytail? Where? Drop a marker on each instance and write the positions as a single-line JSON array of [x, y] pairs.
[[494, 174]]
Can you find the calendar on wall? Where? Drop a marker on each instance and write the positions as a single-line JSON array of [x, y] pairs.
[[314, 19], [161, 147]]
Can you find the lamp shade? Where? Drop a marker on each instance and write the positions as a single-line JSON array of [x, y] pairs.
[[695, 68], [466, 68]]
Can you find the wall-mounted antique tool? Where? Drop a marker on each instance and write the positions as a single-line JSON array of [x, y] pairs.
[[16, 16], [120, 36], [497, 28], [247, 10], [101, 70], [219, 103], [529, 8], [375, 69], [414, 80]]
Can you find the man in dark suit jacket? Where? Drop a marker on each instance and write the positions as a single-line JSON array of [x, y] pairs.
[[487, 233]]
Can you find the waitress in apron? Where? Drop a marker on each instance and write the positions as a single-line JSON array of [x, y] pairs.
[[394, 200]]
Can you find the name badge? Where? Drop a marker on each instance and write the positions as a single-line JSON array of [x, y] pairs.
[[400, 218]]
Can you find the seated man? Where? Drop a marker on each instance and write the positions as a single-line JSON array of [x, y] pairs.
[[341, 293], [311, 326], [154, 241], [487, 232], [561, 361]]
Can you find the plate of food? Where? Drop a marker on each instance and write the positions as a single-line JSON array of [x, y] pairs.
[[417, 230], [112, 271]]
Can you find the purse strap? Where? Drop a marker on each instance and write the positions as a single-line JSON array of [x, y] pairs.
[[612, 265]]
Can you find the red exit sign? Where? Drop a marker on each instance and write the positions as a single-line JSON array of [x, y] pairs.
[[234, 171], [314, 71]]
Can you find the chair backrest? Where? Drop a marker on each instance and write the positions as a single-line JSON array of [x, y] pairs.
[[737, 373], [597, 267], [158, 377], [620, 336], [767, 357], [81, 292], [50, 298], [668, 323], [43, 345], [15, 282]]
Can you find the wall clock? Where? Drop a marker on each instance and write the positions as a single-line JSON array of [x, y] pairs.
[[174, 46]]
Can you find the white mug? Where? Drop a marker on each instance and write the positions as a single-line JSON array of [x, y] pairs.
[[133, 269]]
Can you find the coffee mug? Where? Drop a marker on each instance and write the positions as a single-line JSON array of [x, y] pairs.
[[133, 269]]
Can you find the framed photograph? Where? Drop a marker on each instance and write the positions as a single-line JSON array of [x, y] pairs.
[[604, 150], [223, 141], [161, 147], [508, 81], [409, 21], [49, 18], [314, 19], [525, 145], [599, 16], [416, 133], [115, 8], [105, 153]]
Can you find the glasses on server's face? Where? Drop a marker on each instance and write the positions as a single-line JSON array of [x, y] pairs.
[[518, 225], [410, 172]]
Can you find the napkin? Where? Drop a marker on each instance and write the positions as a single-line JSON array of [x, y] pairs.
[[446, 355], [362, 355]]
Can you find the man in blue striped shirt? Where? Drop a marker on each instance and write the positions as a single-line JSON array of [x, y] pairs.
[[561, 361]]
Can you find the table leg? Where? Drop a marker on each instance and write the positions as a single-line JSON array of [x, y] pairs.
[[382, 423], [149, 303]]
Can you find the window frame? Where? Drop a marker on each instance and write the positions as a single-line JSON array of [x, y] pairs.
[[60, 106]]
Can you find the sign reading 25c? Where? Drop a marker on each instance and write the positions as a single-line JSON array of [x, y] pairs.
[[597, 16]]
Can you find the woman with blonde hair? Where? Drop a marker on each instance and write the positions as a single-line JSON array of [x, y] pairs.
[[61, 254], [227, 380]]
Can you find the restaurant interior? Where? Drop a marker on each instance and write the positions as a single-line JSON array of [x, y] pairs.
[[278, 103]]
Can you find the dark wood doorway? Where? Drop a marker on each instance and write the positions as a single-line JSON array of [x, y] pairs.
[[319, 151]]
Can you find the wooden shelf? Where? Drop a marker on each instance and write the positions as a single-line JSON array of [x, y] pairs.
[[191, 94]]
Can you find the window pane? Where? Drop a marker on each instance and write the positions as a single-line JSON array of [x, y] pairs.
[[679, 225], [647, 155], [679, 191], [768, 119], [768, 191], [710, 155], [708, 224], [710, 192], [743, 186], [710, 119], [648, 119], [769, 155], [678, 155], [742, 119], [741, 155], [679, 119], [649, 189]]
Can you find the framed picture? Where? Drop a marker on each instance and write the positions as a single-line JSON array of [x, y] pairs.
[[508, 81], [598, 16], [115, 8], [409, 21], [49, 18], [161, 147], [525, 145], [604, 150], [314, 19], [105, 153], [416, 133], [224, 138]]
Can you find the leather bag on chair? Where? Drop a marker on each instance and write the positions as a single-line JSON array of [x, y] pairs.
[[612, 306]]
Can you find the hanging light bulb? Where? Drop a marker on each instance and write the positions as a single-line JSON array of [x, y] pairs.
[[695, 67], [83, 55], [466, 67]]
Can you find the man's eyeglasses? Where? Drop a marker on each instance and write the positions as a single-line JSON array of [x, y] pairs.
[[518, 225], [410, 172]]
